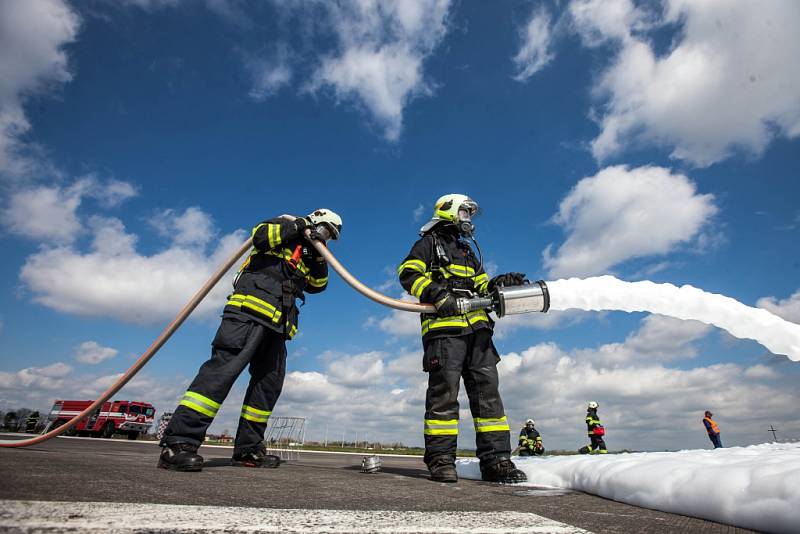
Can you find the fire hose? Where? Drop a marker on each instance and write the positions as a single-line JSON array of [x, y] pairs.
[[526, 298]]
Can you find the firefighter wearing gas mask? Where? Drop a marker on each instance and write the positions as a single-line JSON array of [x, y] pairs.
[[440, 268], [260, 316]]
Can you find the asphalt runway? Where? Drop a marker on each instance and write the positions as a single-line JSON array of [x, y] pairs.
[[316, 492]]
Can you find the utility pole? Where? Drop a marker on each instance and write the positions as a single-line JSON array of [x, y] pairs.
[[326, 436], [343, 431], [773, 430]]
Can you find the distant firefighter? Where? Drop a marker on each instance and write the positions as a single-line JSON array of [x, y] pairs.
[[596, 432], [31, 422], [530, 441], [712, 429]]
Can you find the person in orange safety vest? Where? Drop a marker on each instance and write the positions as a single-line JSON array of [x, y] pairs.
[[712, 429]]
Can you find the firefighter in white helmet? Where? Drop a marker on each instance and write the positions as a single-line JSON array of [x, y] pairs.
[[596, 431], [530, 441], [259, 317]]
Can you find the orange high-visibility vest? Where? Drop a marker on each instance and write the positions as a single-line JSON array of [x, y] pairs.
[[714, 426]]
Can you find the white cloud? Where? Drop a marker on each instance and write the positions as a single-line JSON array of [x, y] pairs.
[[92, 352], [359, 370], [47, 378], [269, 74], [399, 323], [32, 61], [49, 213], [112, 279], [729, 81], [418, 213], [535, 50], [621, 213], [788, 308], [192, 227], [45, 213], [381, 48]]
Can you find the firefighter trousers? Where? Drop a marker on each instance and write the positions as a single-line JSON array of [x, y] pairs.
[[238, 342], [473, 357], [598, 445]]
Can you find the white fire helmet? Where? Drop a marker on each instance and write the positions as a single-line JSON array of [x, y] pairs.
[[529, 422], [329, 219], [593, 405]]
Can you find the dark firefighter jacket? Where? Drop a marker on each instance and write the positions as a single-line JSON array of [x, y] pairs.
[[429, 275], [592, 421], [530, 439], [268, 283]]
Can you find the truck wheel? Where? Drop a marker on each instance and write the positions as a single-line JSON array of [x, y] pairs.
[[108, 430], [133, 435]]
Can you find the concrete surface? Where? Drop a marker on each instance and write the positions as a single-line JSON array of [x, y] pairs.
[[117, 471]]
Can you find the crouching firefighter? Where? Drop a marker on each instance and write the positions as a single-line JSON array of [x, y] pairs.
[[440, 268], [530, 441], [258, 319], [595, 430]]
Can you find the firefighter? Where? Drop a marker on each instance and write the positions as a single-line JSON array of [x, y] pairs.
[[530, 441], [440, 267], [596, 432], [258, 319], [712, 429], [31, 422]]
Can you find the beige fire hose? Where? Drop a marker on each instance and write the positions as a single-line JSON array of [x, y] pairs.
[[189, 308]]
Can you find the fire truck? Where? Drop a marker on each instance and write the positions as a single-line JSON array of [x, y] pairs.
[[114, 417]]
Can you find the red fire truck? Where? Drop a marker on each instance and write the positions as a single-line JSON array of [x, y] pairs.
[[119, 416]]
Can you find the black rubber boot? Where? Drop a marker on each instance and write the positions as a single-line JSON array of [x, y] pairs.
[[584, 450], [180, 457], [443, 470], [503, 471], [257, 458]]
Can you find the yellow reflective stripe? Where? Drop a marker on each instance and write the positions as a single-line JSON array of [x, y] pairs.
[[460, 270], [292, 331], [199, 403], [317, 282], [455, 321], [254, 303], [414, 265], [197, 407], [477, 316], [274, 234], [256, 410], [447, 322], [202, 399], [419, 285], [438, 427], [484, 424], [255, 415]]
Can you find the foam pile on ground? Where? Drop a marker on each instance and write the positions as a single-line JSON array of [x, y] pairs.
[[755, 487]]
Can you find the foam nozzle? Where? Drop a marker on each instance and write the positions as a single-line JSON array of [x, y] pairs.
[[525, 298]]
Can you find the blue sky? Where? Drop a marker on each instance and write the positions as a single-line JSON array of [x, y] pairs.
[[140, 139]]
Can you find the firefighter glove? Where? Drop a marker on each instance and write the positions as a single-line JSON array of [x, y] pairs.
[[508, 279], [446, 306]]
